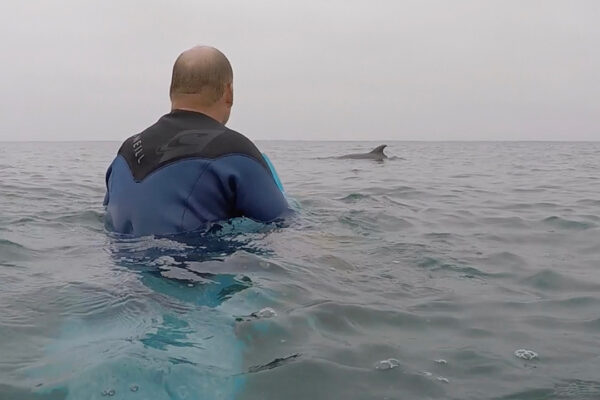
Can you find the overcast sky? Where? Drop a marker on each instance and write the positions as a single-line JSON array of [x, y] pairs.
[[342, 69]]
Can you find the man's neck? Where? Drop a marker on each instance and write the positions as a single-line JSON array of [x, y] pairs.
[[214, 114]]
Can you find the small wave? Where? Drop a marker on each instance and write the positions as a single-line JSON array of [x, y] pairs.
[[509, 222], [92, 217], [572, 389], [528, 190], [278, 362], [13, 251], [530, 206], [552, 280], [465, 271], [472, 175], [336, 263], [589, 202], [401, 204], [563, 223], [350, 319], [577, 389], [354, 197], [9, 392]]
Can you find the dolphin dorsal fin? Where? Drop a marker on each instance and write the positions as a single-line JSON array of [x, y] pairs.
[[379, 149]]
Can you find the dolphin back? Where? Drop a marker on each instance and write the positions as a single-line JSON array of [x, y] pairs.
[[375, 154]]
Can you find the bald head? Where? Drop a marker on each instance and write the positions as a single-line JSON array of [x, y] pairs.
[[202, 72]]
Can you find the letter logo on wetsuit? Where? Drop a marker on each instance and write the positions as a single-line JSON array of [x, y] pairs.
[[138, 150]]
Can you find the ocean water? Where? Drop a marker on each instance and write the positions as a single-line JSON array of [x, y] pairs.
[[453, 271]]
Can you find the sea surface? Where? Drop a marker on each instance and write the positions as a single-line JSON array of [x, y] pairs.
[[452, 271]]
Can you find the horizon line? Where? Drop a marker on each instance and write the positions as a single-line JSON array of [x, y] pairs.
[[340, 140]]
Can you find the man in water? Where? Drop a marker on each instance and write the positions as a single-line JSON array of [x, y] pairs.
[[189, 170]]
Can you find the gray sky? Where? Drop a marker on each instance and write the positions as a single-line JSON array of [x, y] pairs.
[[339, 69]]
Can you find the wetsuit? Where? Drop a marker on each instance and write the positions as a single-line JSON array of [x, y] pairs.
[[186, 171]]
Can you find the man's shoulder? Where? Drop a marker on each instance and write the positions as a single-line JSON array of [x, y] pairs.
[[232, 142], [162, 144], [149, 135]]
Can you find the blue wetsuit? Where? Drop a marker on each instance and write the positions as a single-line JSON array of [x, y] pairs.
[[186, 171]]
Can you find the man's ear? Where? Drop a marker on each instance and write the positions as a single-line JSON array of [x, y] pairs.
[[229, 94]]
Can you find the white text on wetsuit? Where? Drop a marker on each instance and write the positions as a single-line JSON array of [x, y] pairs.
[[138, 150]]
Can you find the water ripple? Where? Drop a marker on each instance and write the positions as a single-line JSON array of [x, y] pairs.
[[462, 252]]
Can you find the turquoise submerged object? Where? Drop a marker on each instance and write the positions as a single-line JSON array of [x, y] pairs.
[[186, 346]]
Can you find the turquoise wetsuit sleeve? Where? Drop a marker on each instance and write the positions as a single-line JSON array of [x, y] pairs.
[[292, 203], [273, 172]]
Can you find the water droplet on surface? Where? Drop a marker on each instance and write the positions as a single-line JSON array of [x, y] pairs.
[[387, 364], [134, 388], [526, 354]]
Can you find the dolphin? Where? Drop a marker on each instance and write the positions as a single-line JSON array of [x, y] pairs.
[[375, 154]]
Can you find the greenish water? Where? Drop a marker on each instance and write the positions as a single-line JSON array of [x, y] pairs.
[[416, 278]]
